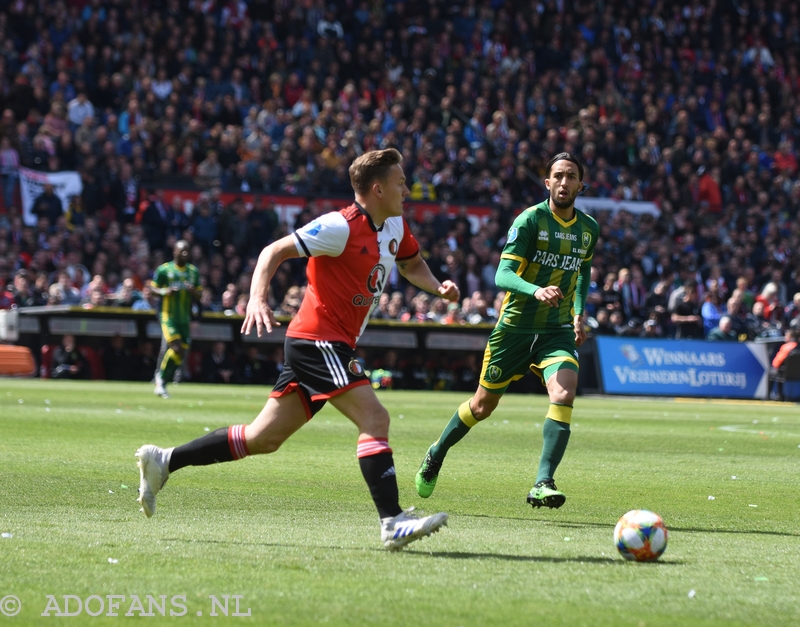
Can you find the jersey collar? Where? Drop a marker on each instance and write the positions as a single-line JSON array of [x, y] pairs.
[[369, 218], [559, 220]]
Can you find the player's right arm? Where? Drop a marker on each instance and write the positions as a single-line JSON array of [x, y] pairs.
[[258, 310], [159, 282]]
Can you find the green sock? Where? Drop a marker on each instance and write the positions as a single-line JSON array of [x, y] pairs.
[[168, 371], [455, 430], [555, 435]]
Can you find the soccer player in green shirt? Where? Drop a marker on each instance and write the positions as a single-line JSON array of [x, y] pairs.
[[178, 283], [544, 269]]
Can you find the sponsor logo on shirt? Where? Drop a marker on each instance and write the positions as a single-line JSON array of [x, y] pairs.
[[543, 236], [376, 278], [314, 228], [375, 284], [572, 237], [557, 261]]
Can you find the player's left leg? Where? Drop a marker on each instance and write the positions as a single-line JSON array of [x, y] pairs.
[[280, 418], [170, 357], [505, 359], [561, 388], [398, 527]]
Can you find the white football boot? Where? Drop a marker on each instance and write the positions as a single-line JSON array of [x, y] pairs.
[[161, 389], [406, 527], [153, 463]]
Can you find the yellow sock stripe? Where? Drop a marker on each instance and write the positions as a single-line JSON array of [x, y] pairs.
[[465, 414], [560, 413]]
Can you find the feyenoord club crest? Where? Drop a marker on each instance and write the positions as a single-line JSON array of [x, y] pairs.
[[355, 367], [393, 247]]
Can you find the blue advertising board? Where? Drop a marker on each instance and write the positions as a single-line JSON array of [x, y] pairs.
[[683, 367]]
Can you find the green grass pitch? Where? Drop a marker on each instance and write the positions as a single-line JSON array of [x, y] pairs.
[[296, 536]]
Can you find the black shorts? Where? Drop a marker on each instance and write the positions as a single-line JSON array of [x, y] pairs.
[[318, 370]]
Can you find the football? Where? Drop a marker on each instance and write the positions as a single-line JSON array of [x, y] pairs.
[[640, 536]]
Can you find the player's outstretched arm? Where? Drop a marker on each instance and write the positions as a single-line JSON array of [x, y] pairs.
[[419, 274], [258, 310], [507, 279]]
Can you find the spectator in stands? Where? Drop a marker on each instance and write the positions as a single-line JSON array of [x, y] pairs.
[[791, 313], [154, 220], [253, 368], [48, 205], [117, 360], [144, 363], [209, 171], [67, 362], [148, 300], [723, 332], [68, 293], [686, 315], [769, 299], [218, 367], [9, 170], [78, 109], [758, 324], [712, 310], [25, 294]]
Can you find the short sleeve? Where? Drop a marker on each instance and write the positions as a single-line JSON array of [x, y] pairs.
[[327, 235], [409, 247], [158, 277], [518, 238]]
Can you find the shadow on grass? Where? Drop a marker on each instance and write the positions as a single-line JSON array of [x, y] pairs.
[[421, 552], [464, 555], [570, 524]]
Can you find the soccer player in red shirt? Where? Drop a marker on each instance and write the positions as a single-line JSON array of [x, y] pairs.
[[351, 253]]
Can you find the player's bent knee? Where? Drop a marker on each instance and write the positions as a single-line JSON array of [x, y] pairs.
[[482, 408], [562, 396], [379, 422], [264, 444]]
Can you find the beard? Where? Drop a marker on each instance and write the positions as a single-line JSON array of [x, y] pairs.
[[565, 204]]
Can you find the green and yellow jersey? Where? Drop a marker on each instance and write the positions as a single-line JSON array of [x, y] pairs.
[[177, 306], [541, 250]]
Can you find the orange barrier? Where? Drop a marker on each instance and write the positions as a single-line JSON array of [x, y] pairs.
[[16, 361]]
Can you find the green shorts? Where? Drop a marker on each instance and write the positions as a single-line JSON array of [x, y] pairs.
[[175, 330], [508, 356]]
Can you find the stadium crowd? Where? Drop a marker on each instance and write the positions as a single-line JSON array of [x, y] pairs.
[[694, 106]]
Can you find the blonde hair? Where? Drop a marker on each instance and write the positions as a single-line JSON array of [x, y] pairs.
[[372, 166]]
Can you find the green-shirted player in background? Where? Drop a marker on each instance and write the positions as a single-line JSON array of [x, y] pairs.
[[544, 269], [178, 283]]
